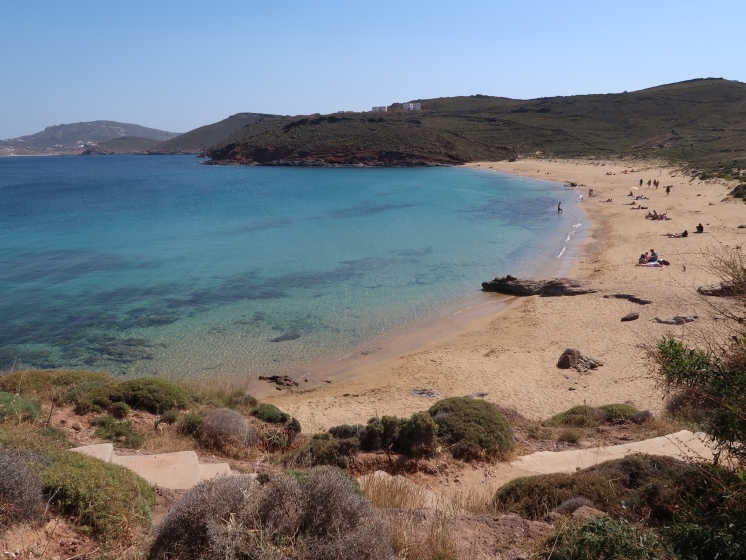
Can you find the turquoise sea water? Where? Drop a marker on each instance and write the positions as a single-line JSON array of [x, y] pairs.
[[143, 265]]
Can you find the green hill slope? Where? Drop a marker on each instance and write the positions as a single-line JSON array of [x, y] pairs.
[[197, 140], [699, 122]]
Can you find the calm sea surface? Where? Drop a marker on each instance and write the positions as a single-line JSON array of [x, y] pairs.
[[142, 265]]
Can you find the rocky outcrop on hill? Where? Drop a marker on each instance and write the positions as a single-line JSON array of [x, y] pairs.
[[531, 287]]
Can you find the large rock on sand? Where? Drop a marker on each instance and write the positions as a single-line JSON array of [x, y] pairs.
[[532, 287], [569, 358]]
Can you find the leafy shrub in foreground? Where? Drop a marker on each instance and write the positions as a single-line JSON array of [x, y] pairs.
[[15, 407], [319, 517], [719, 382], [606, 539], [21, 497], [108, 501], [473, 427]]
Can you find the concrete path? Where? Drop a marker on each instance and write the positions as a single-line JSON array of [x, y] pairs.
[[681, 445], [176, 471]]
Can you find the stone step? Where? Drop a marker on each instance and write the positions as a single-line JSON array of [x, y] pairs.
[[103, 451], [176, 471], [681, 445], [211, 470]]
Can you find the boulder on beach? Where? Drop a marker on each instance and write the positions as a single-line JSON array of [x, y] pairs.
[[631, 316], [533, 287]]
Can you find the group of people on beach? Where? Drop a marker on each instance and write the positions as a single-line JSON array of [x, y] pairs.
[[653, 215]]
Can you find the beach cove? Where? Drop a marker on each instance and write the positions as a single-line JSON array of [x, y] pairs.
[[511, 356]]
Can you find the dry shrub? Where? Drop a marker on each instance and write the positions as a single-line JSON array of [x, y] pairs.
[[411, 541], [224, 428], [386, 491], [186, 531], [21, 497], [323, 517], [570, 435]]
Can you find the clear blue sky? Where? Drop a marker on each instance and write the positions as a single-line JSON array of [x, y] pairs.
[[178, 65]]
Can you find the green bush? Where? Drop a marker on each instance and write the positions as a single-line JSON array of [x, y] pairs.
[[106, 500], [581, 416], [474, 428], [170, 417], [606, 539], [119, 410], [418, 435], [718, 381], [618, 413], [570, 435], [345, 431], [152, 394], [118, 432], [15, 407], [190, 423], [323, 449], [89, 396], [270, 413], [650, 487]]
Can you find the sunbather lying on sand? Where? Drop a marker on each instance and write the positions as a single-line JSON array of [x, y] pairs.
[[684, 233]]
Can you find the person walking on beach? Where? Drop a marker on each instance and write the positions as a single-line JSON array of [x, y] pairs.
[[668, 190], [559, 207], [649, 183], [640, 182]]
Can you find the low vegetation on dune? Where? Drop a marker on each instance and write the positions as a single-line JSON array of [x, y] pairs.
[[584, 416], [474, 428]]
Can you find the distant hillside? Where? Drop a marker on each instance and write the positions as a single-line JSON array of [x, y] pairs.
[[701, 123], [197, 140], [124, 145], [70, 138]]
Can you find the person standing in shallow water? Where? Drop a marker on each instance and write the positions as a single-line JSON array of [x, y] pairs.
[[559, 207]]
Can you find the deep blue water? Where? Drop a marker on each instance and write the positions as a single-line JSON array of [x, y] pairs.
[[142, 265]]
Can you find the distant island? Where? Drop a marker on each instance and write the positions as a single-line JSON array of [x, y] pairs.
[[78, 137], [696, 123]]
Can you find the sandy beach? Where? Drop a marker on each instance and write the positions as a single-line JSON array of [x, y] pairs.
[[512, 355]]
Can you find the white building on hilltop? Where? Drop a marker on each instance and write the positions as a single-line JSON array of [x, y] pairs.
[[413, 106], [380, 109]]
